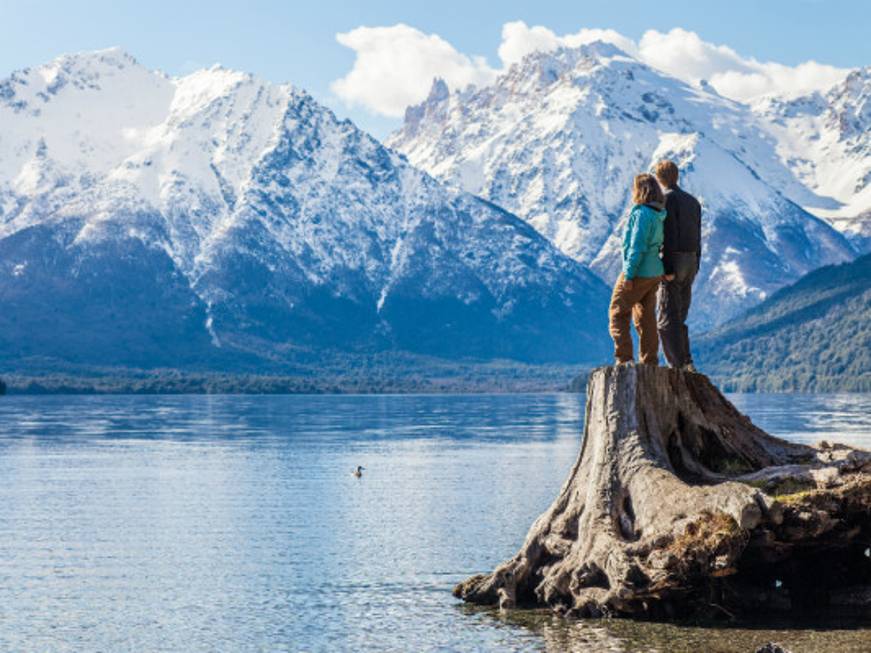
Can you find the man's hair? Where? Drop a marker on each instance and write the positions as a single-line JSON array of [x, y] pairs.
[[645, 190], [667, 173]]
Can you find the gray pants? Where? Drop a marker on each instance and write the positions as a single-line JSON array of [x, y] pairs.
[[673, 304]]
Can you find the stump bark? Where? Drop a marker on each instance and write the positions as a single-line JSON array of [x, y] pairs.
[[679, 504]]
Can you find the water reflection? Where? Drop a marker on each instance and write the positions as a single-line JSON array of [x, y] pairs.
[[626, 636], [810, 418]]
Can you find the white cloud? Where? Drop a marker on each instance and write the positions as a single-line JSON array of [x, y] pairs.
[[686, 56], [784, 80], [395, 65]]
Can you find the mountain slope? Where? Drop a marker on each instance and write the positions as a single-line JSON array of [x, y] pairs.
[[814, 335], [218, 220], [559, 136]]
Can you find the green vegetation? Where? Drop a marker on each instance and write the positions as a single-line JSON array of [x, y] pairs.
[[813, 336]]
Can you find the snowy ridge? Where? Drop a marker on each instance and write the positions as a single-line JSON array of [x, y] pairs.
[[558, 137], [263, 221], [826, 140]]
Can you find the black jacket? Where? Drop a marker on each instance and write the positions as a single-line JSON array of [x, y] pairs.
[[682, 230]]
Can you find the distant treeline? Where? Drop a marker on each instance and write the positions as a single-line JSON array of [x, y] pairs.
[[491, 377], [780, 382], [530, 379]]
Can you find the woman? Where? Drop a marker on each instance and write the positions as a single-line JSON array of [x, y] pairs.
[[635, 291]]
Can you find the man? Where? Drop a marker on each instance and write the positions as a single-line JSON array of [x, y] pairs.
[[681, 256]]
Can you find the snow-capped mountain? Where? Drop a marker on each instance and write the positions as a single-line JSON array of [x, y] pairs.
[[149, 220], [558, 137], [826, 140]]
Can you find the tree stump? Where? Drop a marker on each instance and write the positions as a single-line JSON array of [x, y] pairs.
[[679, 504]]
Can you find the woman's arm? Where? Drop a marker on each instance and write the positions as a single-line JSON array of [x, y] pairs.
[[636, 236]]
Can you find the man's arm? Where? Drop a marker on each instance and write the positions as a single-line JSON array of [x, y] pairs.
[[699, 244], [670, 232]]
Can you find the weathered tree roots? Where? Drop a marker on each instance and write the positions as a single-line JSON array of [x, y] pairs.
[[679, 504]]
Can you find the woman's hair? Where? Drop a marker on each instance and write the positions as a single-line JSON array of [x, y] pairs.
[[646, 190]]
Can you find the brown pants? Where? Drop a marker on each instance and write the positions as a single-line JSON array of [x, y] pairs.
[[640, 303]]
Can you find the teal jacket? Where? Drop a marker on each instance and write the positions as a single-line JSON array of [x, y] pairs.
[[642, 242]]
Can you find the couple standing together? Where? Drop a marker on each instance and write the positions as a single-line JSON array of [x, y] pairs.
[[662, 248]]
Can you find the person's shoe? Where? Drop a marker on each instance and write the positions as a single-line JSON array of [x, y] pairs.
[[623, 363], [689, 367]]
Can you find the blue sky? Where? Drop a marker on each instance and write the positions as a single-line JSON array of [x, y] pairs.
[[296, 41]]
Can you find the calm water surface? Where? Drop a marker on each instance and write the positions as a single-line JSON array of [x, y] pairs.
[[232, 523]]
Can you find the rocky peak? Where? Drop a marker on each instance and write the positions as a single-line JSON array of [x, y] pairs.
[[851, 104], [438, 96]]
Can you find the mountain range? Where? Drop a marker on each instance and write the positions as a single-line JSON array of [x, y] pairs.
[[558, 137], [216, 220]]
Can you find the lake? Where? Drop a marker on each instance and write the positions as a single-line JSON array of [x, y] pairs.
[[233, 523]]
